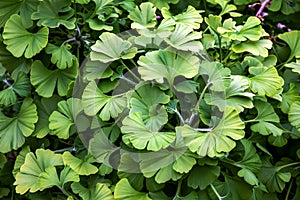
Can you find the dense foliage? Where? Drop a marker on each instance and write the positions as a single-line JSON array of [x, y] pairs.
[[111, 99]]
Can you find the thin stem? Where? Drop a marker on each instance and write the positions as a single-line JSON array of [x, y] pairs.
[[250, 121], [180, 116], [68, 40], [262, 7], [66, 149], [220, 47], [289, 190], [201, 96], [287, 165], [216, 192], [128, 80], [178, 191], [131, 72], [204, 129], [6, 82]]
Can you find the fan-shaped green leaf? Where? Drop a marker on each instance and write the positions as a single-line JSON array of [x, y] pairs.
[[146, 100], [141, 137], [124, 191], [157, 65], [20, 160], [110, 47], [61, 122], [257, 48], [190, 17], [215, 75], [79, 166], [27, 178], [203, 176], [236, 95], [93, 100], [45, 80], [14, 130], [160, 4], [289, 97], [53, 13], [19, 41], [265, 80], [184, 38], [49, 177], [100, 191], [143, 16], [25, 8], [292, 39], [61, 56], [294, 114], [295, 66], [21, 86], [45, 107], [219, 140]]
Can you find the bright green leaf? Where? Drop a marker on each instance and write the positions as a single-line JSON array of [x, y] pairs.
[[265, 80], [257, 48], [53, 13], [157, 65], [110, 47], [124, 191], [19, 41], [79, 166], [34, 165], [294, 114], [203, 176], [143, 17], [135, 130], [292, 39], [14, 130], [160, 4], [61, 56], [45, 80], [289, 97], [219, 140], [100, 191]]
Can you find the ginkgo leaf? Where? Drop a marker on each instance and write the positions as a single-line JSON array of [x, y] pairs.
[[190, 17], [265, 80], [215, 75], [292, 39], [295, 66], [45, 107], [148, 100], [266, 116], [110, 47], [157, 65], [21, 86], [294, 114], [184, 38], [219, 140], [62, 121], [61, 56], [53, 13], [99, 191], [93, 100], [79, 166], [143, 16], [208, 175], [25, 8], [45, 81], [20, 160], [34, 165], [49, 177], [13, 130], [135, 130], [19, 41], [236, 95], [161, 4], [257, 48], [124, 191]]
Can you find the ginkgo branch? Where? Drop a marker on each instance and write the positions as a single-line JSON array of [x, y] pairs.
[[6, 82], [216, 192]]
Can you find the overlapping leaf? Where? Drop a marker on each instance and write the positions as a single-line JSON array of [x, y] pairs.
[[34, 165], [62, 121], [13, 130], [61, 56], [141, 137], [157, 65], [266, 116], [53, 13], [292, 39], [124, 191], [143, 16], [21, 86], [219, 140], [45, 80], [110, 47], [19, 41], [294, 114], [289, 97], [183, 38], [257, 48], [100, 191]]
